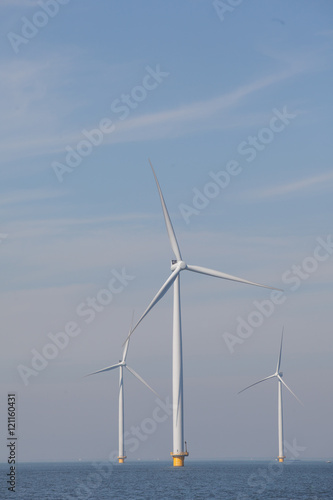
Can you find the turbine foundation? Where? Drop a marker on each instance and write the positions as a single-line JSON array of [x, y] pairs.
[[121, 460], [178, 458], [281, 459]]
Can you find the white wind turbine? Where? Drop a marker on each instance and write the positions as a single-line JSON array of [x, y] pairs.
[[278, 374], [179, 450], [122, 364]]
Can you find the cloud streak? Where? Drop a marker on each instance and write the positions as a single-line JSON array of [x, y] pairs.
[[299, 186], [175, 122], [24, 196], [199, 113]]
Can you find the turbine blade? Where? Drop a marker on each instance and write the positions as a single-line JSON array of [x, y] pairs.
[[263, 380], [279, 360], [104, 369], [125, 350], [158, 297], [141, 379], [283, 382], [168, 223], [127, 340], [219, 274]]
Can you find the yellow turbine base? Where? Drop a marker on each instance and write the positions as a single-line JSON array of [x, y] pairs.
[[178, 459], [121, 460], [281, 459]]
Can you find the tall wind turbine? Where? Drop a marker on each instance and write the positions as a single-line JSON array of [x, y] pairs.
[[121, 365], [278, 374], [177, 265]]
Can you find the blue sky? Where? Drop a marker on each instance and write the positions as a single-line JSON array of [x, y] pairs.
[[200, 91]]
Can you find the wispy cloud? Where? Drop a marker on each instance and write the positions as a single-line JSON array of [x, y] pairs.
[[71, 250], [31, 105], [43, 226], [24, 196], [27, 109], [302, 185], [180, 120]]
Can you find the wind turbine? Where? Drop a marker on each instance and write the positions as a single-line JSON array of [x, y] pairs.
[[177, 265], [278, 374], [121, 365]]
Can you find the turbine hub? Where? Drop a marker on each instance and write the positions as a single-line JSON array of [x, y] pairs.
[[178, 263]]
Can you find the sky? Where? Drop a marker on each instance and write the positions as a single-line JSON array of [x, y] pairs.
[[232, 103]]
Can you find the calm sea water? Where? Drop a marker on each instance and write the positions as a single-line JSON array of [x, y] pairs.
[[255, 480]]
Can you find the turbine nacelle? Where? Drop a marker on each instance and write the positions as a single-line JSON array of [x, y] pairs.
[[178, 264]]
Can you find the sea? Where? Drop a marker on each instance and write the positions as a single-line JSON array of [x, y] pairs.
[[197, 480]]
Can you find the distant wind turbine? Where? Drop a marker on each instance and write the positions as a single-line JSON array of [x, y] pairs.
[[179, 450], [278, 374], [122, 364]]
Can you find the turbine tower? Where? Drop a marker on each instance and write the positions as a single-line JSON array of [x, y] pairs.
[[121, 365], [179, 451], [278, 374]]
